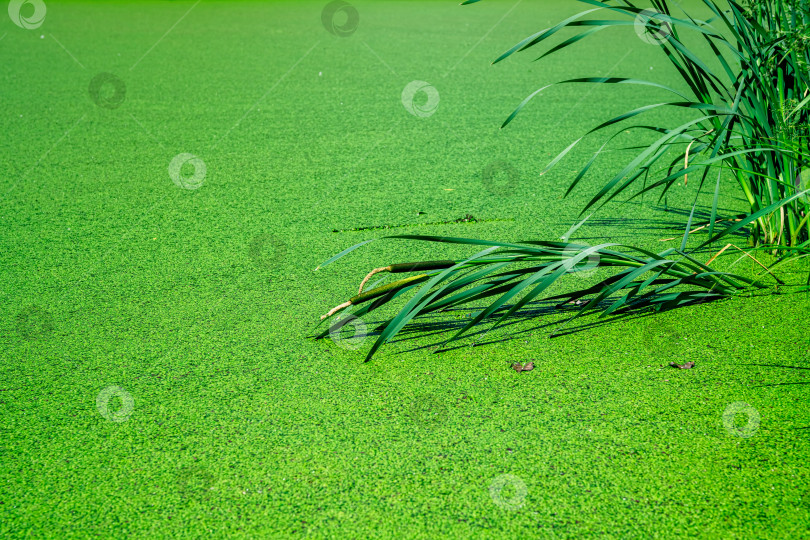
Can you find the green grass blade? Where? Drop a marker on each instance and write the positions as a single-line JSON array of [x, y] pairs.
[[408, 312], [342, 253]]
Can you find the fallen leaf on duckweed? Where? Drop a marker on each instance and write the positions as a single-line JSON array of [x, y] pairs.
[[688, 365], [520, 367]]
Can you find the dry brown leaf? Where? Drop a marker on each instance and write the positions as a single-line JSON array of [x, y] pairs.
[[688, 365]]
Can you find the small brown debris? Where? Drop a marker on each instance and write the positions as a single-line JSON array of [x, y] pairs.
[[688, 365], [520, 367]]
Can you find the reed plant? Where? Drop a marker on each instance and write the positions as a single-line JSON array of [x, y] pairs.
[[749, 92]]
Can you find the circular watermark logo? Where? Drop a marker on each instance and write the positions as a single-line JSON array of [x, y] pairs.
[[420, 99], [349, 332], [500, 178], [427, 410], [107, 91], [34, 323], [194, 483], [652, 27], [659, 337], [267, 251], [187, 171], [508, 491], [803, 184], [340, 18], [27, 14], [738, 410], [107, 407], [585, 267]]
